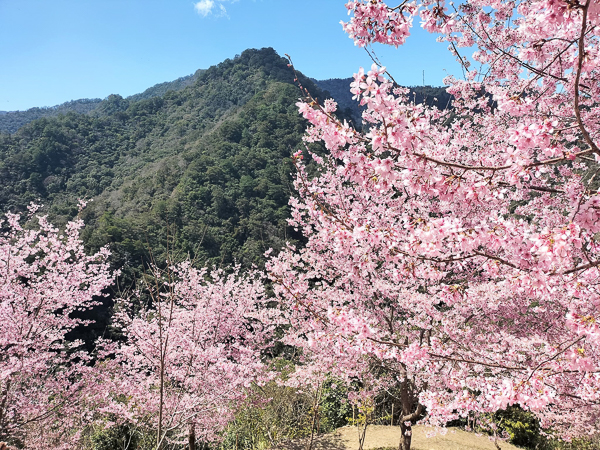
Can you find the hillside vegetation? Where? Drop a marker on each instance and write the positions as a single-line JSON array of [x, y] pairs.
[[199, 166], [11, 121], [209, 163]]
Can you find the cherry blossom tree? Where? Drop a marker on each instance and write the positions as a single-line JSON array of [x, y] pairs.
[[458, 250], [45, 277], [190, 355]]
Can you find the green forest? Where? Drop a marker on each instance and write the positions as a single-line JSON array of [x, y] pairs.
[[202, 162], [206, 166]]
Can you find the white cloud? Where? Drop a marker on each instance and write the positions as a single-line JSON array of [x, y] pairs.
[[204, 7], [214, 7]]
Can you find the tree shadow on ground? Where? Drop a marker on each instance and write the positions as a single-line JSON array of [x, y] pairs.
[[323, 442]]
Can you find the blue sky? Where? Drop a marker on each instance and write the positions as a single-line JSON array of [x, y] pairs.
[[52, 51]]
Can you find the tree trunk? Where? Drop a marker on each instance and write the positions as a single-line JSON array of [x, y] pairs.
[[362, 434], [192, 436], [316, 406], [412, 411], [3, 405], [406, 439]]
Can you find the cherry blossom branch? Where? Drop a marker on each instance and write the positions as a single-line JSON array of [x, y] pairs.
[[580, 58], [477, 362], [496, 168], [580, 268], [552, 358]]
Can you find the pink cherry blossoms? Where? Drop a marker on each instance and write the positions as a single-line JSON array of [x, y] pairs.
[[453, 255], [45, 276], [190, 355], [191, 347], [458, 250]]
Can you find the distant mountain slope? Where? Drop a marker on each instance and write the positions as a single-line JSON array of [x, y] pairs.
[[206, 166], [11, 121], [339, 89], [160, 89]]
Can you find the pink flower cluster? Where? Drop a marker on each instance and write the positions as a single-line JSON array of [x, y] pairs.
[[457, 250], [185, 362], [45, 277]]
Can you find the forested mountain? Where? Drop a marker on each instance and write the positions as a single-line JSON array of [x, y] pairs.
[[206, 167], [203, 162]]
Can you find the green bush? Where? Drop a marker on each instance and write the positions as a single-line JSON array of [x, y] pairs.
[[118, 437], [522, 426], [335, 408]]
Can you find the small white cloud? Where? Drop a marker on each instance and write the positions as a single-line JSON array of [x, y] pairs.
[[212, 7], [204, 7]]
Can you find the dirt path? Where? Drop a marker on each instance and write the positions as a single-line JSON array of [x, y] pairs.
[[379, 436]]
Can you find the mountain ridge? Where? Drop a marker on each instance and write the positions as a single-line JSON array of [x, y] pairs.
[[338, 88], [212, 158], [11, 121]]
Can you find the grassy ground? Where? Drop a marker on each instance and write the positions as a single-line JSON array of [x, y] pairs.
[[385, 437]]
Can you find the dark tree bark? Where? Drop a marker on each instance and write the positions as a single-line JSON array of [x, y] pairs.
[[406, 439], [192, 436], [412, 411]]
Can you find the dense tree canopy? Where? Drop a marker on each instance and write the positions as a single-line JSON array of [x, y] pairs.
[[208, 162], [455, 254]]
